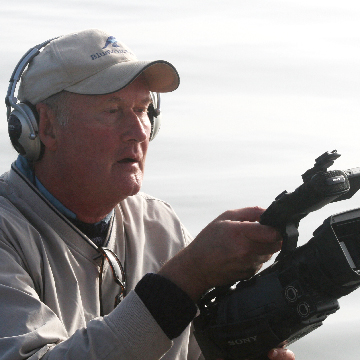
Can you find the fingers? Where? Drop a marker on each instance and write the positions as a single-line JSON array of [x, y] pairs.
[[254, 231], [245, 221], [246, 214], [281, 354]]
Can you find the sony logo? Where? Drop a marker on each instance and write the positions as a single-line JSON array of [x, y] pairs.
[[242, 341]]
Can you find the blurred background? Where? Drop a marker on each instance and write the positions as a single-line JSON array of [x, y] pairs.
[[266, 87]]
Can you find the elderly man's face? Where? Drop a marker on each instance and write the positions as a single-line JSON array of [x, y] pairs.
[[104, 145]]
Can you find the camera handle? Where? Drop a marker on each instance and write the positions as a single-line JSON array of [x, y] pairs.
[[320, 188]]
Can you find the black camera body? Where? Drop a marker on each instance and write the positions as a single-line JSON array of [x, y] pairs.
[[295, 295]]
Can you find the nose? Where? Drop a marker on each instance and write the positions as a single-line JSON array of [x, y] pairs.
[[137, 127]]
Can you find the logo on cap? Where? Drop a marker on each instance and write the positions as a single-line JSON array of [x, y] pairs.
[[111, 40]]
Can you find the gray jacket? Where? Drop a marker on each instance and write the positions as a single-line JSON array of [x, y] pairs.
[[49, 280]]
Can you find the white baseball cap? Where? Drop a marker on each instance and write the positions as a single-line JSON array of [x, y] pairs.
[[90, 62]]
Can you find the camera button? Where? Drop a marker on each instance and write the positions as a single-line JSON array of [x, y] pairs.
[[291, 293], [303, 309]]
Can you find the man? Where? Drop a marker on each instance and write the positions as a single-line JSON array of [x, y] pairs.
[[76, 235]]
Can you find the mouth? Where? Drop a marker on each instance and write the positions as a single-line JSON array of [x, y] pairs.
[[127, 161]]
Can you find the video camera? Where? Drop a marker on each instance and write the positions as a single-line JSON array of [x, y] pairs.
[[295, 295]]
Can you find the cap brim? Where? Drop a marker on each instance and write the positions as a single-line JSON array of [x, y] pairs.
[[160, 75]]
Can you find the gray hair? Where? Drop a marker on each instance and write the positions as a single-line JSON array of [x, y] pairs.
[[58, 103]]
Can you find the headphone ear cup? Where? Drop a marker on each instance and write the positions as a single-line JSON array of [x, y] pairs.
[[155, 126], [23, 132], [154, 114]]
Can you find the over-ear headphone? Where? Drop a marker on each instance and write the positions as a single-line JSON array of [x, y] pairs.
[[23, 120]]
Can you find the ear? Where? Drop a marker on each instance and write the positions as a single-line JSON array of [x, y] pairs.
[[48, 126]]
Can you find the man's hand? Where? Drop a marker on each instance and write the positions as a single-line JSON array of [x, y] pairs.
[[232, 247]]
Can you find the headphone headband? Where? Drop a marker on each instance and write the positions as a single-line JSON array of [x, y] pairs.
[[10, 99]]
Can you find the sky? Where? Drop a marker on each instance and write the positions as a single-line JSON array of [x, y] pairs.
[[266, 87]]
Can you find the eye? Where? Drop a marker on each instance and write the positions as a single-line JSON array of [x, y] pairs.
[[141, 110], [112, 110]]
